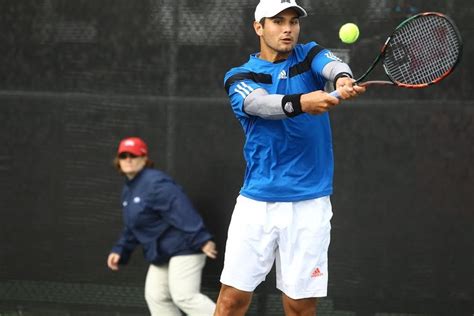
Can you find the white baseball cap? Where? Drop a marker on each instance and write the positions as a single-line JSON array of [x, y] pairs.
[[270, 8]]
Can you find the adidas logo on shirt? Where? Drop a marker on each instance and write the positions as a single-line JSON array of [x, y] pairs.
[[282, 75]]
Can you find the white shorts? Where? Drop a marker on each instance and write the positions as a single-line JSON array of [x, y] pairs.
[[295, 234]]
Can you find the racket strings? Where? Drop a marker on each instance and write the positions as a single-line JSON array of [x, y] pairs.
[[426, 61], [422, 51]]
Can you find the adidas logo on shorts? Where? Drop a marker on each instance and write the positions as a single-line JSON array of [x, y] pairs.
[[316, 273]]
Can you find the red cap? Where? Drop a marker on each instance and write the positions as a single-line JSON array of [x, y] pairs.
[[133, 145]]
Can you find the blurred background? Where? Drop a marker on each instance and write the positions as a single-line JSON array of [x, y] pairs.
[[78, 76]]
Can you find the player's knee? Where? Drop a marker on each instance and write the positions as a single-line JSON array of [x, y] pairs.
[[296, 309], [300, 307], [233, 302]]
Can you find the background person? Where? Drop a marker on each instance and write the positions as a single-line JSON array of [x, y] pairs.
[[160, 217], [283, 211]]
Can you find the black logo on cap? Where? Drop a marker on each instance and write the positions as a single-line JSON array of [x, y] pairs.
[[285, 1]]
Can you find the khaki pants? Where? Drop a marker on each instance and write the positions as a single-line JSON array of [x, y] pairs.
[[176, 286]]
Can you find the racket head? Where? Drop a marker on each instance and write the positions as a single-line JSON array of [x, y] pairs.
[[423, 50]]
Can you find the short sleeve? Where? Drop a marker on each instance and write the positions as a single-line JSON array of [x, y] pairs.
[[323, 58]]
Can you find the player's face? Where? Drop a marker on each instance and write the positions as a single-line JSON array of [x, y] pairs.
[[279, 34], [131, 164]]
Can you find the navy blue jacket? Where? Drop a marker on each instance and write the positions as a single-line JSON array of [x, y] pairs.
[[158, 216]]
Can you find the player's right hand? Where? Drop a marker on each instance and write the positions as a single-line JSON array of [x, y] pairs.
[[348, 89], [113, 260], [317, 102]]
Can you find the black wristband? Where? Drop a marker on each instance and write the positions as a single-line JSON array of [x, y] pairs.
[[340, 75], [291, 105]]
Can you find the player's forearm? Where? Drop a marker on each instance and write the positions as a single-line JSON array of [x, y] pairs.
[[268, 106], [276, 106]]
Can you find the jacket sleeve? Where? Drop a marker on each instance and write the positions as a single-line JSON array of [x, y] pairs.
[[125, 245], [176, 209]]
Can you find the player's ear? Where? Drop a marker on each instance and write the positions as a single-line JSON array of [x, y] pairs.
[[258, 27]]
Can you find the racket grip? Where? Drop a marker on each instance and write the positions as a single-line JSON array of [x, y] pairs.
[[336, 94]]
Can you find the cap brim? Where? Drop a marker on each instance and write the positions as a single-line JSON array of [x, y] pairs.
[[302, 12], [136, 152]]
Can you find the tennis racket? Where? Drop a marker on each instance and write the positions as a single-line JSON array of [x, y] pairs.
[[423, 50]]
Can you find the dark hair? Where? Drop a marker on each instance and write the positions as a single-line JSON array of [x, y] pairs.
[[148, 164]]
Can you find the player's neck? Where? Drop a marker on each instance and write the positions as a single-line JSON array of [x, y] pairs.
[[272, 55]]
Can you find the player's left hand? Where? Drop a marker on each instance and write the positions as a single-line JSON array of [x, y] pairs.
[[347, 89], [209, 249]]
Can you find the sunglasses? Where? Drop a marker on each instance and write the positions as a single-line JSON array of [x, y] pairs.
[[126, 155]]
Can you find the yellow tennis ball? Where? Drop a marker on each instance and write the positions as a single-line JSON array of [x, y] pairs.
[[349, 33]]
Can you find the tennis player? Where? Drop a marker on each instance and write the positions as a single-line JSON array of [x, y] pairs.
[[159, 217], [283, 211]]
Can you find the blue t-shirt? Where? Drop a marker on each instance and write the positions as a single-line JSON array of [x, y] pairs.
[[289, 159]]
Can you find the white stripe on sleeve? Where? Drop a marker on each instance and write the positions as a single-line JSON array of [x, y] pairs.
[[242, 88], [247, 86], [240, 92]]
